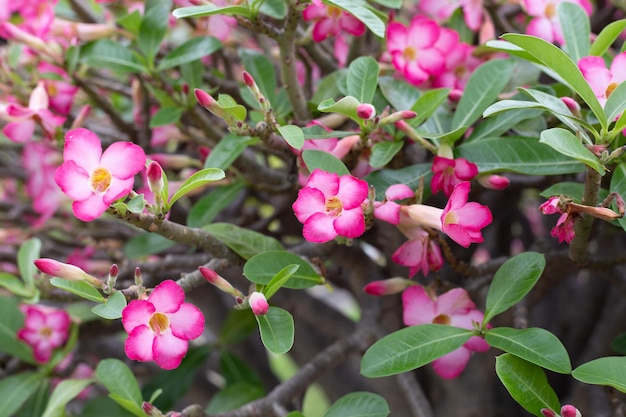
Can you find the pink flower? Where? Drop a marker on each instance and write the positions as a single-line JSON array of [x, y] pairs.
[[447, 173], [453, 308], [388, 210], [602, 80], [459, 66], [413, 50], [330, 205], [330, 20], [442, 10], [564, 228], [160, 327], [258, 303], [420, 252], [460, 220], [95, 179], [545, 23], [60, 92], [45, 329], [566, 411]]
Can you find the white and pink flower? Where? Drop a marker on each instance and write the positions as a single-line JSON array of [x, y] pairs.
[[160, 327], [545, 22], [388, 210], [45, 329], [601, 79]]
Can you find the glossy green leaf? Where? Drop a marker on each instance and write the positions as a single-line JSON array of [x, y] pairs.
[[565, 142], [390, 4], [502, 123], [26, 255], [555, 59], [121, 383], [527, 384], [512, 281], [616, 103], [534, 345], [227, 150], [166, 116], [606, 37], [359, 404], [153, 26], [293, 135], [130, 22], [576, 29], [210, 205], [231, 107], [209, 9], [277, 330], [15, 285], [570, 189], [609, 371], [198, 179], [104, 407], [112, 308], [314, 159], [36, 404], [12, 321], [146, 243], [295, 414], [400, 94], [517, 154], [192, 49], [363, 79], [234, 369], [618, 185], [17, 389], [234, 396], [411, 348], [482, 89], [79, 288], [426, 105], [279, 280], [383, 152], [262, 70], [328, 86], [274, 8], [346, 106], [360, 10], [108, 54], [262, 269], [67, 390], [246, 243]]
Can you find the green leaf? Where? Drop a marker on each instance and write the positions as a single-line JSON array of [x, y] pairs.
[[198, 179], [556, 60], [502, 122], [279, 280], [576, 29], [411, 348], [112, 308], [609, 371], [80, 288], [359, 404], [360, 10], [277, 330], [262, 269], [390, 4], [238, 326], [130, 22], [534, 345], [234, 396], [517, 154], [210, 205], [328, 86], [104, 407], [153, 27], [314, 159], [400, 94], [618, 185], [383, 152], [209, 9], [26, 255], [274, 8], [108, 54], [527, 384], [383, 178], [146, 243], [194, 48], [227, 150], [67, 390], [121, 383], [616, 103], [166, 116], [234, 369], [15, 285], [246, 243], [574, 190], [565, 142], [12, 321], [36, 404], [482, 89], [262, 70], [346, 106], [512, 281], [16, 389], [230, 106], [606, 37], [427, 104], [363, 79], [293, 135]]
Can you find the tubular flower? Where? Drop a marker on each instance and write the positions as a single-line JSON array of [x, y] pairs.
[[420, 252], [330, 206], [454, 308], [388, 210], [160, 327], [331, 20], [564, 228], [95, 179], [447, 173], [45, 329]]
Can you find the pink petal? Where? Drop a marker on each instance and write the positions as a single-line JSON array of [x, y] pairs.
[[139, 344], [89, 209], [399, 192], [464, 169], [319, 228], [325, 28], [73, 180], [432, 61], [187, 323], [409, 254], [477, 344], [167, 297], [388, 212], [352, 191], [423, 33], [536, 7], [42, 352], [326, 182], [123, 159], [350, 223], [316, 10], [595, 72], [137, 313], [451, 365], [16, 110], [542, 28], [418, 307], [58, 320], [474, 216], [414, 73], [20, 131], [29, 335], [310, 201], [35, 318], [472, 13], [168, 350], [83, 147], [352, 25], [118, 188], [396, 37], [454, 302], [462, 236], [458, 198]]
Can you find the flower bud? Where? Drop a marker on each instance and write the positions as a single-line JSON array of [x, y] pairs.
[[547, 412], [147, 408], [247, 78], [66, 271], [570, 411], [387, 286], [138, 278], [493, 182], [215, 279], [398, 117], [154, 173], [365, 111], [205, 99], [113, 273], [572, 105], [258, 303]]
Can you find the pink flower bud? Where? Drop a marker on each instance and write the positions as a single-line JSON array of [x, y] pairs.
[[185, 88], [570, 411], [138, 278], [387, 286], [114, 270], [205, 99], [455, 95], [493, 182], [215, 279], [547, 412], [258, 303], [147, 408], [66, 271], [398, 117], [247, 78], [365, 111], [572, 105], [155, 177]]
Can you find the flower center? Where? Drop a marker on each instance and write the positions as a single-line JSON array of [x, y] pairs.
[[611, 87], [100, 180], [333, 12], [46, 332], [159, 323], [442, 319], [410, 54], [333, 207], [550, 11], [450, 218], [52, 90]]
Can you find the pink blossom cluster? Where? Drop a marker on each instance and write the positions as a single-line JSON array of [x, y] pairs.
[[564, 228], [544, 22]]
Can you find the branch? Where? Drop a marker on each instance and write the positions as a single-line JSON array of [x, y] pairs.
[[578, 247]]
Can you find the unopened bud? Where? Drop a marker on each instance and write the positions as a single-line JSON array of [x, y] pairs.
[[204, 99], [138, 278], [603, 213], [147, 408], [455, 95], [398, 117], [570, 411], [247, 78], [572, 105], [387, 286], [365, 111], [185, 88], [113, 273], [493, 182], [547, 412], [258, 303], [66, 271], [215, 279], [154, 173]]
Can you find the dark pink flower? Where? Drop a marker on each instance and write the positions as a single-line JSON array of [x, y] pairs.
[[330, 205], [160, 327], [447, 173], [331, 20], [420, 252], [564, 228], [388, 210], [454, 308], [45, 329]]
